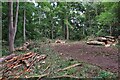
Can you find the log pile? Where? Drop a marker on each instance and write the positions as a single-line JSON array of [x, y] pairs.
[[106, 41], [24, 47], [16, 65], [60, 41]]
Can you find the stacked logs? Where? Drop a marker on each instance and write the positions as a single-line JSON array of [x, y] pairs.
[[106, 41], [24, 47], [13, 64], [60, 41]]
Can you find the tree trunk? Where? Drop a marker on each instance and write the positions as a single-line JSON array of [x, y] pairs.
[[10, 18], [63, 30], [83, 31], [24, 35], [39, 16], [67, 29], [52, 32], [110, 30], [12, 27], [16, 18], [52, 29]]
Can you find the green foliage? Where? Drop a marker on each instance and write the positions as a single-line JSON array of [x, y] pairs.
[[83, 19], [109, 17], [105, 74]]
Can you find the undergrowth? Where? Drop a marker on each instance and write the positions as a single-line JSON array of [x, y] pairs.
[[54, 61]]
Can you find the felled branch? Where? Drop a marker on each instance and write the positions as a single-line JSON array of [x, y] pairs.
[[71, 66], [69, 76]]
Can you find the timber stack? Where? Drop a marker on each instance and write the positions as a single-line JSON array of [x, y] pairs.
[[24, 47], [17, 65], [60, 41], [106, 41]]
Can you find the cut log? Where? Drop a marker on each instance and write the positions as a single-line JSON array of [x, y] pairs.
[[106, 38], [24, 47], [26, 44], [111, 37], [7, 57], [107, 41], [107, 45], [95, 43], [59, 41], [27, 63], [119, 37], [101, 39]]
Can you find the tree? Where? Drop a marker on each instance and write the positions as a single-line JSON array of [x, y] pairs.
[[108, 16], [73, 20], [12, 25], [24, 19]]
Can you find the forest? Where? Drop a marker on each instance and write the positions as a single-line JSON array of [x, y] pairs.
[[60, 40]]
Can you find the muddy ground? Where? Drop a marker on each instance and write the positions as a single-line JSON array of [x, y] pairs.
[[104, 57]]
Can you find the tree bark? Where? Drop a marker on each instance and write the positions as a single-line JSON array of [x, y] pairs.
[[10, 18], [83, 30], [7, 57], [63, 30], [52, 29], [67, 29], [24, 29], [12, 27], [52, 32], [110, 30], [39, 16], [16, 19]]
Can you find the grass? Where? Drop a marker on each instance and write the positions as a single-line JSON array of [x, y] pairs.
[[55, 62]]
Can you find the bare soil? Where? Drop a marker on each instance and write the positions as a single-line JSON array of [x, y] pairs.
[[104, 57]]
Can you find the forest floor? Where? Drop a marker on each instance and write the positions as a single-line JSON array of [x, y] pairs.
[[104, 57], [94, 61]]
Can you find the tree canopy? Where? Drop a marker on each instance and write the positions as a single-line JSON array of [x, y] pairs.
[[72, 20]]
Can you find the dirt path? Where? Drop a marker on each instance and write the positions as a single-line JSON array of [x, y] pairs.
[[104, 57]]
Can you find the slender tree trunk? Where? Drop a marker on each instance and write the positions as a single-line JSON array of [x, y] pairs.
[[63, 30], [24, 29], [89, 19], [83, 31], [16, 18], [67, 29], [52, 29], [110, 30], [12, 27], [52, 32], [96, 10], [39, 16]]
